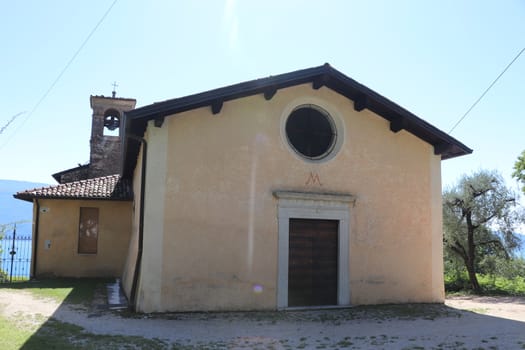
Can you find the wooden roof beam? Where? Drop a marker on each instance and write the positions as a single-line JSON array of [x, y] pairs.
[[361, 102], [269, 93], [216, 106], [320, 81], [158, 122], [397, 124], [441, 148]]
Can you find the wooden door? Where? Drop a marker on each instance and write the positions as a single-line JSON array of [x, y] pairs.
[[312, 262]]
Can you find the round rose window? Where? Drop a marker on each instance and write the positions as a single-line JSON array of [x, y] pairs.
[[311, 132]]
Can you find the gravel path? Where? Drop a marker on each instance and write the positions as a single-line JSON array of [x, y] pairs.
[[512, 308], [463, 323]]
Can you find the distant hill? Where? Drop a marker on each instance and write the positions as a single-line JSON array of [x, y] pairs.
[[14, 210]]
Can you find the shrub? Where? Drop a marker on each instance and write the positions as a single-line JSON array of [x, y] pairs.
[[490, 284]]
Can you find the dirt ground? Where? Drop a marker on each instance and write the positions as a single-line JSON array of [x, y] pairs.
[[462, 323]]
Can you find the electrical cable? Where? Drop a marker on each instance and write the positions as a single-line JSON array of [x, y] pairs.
[[13, 118], [485, 92], [60, 75]]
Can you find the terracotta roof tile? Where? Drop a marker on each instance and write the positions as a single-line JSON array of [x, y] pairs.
[[110, 187]]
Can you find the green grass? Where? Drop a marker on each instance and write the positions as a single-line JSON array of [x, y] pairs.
[[478, 310], [12, 336], [491, 285], [503, 286], [35, 332], [58, 335], [69, 290]]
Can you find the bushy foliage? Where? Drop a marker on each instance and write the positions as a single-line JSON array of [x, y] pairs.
[[506, 278], [519, 170], [480, 216], [3, 276]]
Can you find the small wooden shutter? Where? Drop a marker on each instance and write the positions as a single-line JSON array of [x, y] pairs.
[[312, 262], [88, 231]]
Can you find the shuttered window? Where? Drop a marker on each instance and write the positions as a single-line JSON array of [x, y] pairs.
[[88, 231]]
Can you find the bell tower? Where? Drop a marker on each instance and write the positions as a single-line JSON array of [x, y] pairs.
[[106, 134]]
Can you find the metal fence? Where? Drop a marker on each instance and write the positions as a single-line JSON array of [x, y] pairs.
[[15, 257]]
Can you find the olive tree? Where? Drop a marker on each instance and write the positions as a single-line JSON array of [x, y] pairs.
[[480, 215], [519, 170]]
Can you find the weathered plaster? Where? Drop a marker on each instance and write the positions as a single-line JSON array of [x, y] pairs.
[[220, 231], [151, 273], [438, 289], [131, 256], [58, 223]]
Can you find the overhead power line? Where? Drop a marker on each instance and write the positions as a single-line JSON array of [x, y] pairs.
[[487, 90], [9, 122], [61, 73]]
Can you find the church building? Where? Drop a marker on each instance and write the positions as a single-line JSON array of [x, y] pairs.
[[305, 189]]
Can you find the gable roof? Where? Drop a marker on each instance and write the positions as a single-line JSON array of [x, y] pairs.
[[325, 75], [111, 187]]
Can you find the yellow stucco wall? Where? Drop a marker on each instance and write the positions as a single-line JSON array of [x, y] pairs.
[[59, 223], [131, 253], [219, 228]]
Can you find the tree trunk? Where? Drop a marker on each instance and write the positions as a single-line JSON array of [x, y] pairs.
[[472, 276], [471, 252]]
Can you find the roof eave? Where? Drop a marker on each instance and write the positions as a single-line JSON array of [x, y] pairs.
[[325, 75], [227, 93], [24, 198], [29, 198]]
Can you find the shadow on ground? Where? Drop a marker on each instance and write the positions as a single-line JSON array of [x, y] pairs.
[[83, 322]]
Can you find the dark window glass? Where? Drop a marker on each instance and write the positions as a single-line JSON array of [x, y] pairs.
[[310, 132]]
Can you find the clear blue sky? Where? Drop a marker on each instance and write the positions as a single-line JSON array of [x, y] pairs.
[[433, 58]]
